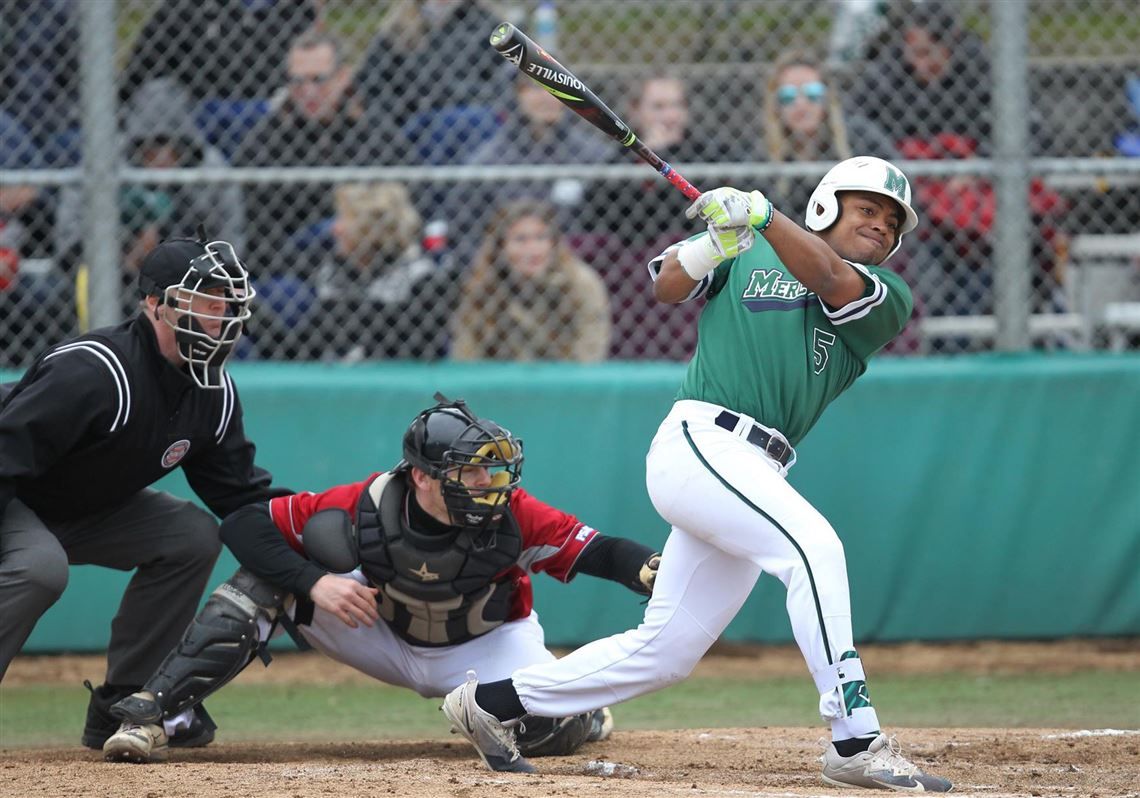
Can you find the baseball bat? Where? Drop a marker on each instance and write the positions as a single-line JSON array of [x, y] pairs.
[[540, 66]]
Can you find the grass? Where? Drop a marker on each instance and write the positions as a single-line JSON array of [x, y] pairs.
[[45, 715]]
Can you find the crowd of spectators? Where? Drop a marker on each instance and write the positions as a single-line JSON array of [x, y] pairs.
[[380, 270]]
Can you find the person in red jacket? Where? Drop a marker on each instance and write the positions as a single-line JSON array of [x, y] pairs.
[[440, 549]]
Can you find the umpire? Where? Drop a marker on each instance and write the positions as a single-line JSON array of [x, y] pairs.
[[91, 425]]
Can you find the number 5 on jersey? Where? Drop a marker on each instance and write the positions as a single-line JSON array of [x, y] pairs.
[[822, 341]]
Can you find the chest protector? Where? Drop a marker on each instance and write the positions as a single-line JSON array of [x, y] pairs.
[[433, 592]]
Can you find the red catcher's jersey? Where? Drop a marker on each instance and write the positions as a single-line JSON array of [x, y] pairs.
[[552, 540]]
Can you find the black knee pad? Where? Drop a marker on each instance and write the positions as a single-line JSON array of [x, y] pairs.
[[551, 736], [220, 641]]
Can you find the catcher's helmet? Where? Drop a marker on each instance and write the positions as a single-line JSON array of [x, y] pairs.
[[863, 173], [443, 440], [180, 270]]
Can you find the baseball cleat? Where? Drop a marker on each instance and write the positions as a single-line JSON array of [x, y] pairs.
[[880, 767], [142, 708], [495, 742], [601, 725], [141, 743]]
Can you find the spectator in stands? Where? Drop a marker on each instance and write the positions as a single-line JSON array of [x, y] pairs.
[[39, 74], [527, 297], [541, 130], [538, 130], [217, 48], [1127, 140], [641, 216], [143, 214], [938, 76], [320, 123], [430, 74], [659, 112], [938, 107], [804, 120], [644, 212], [378, 295], [35, 297], [160, 135]]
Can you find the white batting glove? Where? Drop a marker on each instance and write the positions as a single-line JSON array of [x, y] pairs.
[[730, 207], [701, 255]]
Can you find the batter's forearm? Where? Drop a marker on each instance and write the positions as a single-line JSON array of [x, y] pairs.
[[673, 284], [807, 256]]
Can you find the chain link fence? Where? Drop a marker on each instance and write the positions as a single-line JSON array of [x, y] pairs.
[[399, 191]]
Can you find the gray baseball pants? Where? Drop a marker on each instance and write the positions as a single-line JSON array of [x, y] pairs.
[[172, 543]]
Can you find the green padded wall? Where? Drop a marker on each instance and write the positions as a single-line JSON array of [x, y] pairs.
[[992, 496]]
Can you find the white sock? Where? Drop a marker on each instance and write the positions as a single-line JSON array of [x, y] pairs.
[[179, 722]]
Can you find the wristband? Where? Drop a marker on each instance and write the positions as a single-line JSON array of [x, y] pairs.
[[698, 257], [761, 226]]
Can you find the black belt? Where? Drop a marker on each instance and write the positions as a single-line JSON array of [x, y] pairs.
[[774, 447]]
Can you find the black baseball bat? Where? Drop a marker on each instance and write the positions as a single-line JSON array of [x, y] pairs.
[[540, 66]]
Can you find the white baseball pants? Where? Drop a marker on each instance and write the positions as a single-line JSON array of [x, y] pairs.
[[734, 516], [430, 671]]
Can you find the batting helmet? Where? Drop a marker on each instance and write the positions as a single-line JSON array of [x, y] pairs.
[[443, 440], [863, 173], [180, 271]]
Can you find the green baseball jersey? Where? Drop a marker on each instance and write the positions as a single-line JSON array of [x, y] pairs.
[[771, 349]]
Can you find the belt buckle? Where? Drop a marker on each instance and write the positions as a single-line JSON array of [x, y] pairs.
[[777, 448]]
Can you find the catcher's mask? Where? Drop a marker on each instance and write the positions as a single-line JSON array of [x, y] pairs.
[[444, 440], [181, 271]]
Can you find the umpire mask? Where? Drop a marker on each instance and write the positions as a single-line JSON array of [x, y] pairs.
[[210, 294], [448, 442]]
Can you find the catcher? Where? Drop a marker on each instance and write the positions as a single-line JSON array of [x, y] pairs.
[[440, 549]]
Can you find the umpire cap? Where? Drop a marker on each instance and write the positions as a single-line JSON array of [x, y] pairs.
[[167, 264]]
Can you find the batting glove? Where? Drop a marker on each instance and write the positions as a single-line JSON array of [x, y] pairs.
[[730, 207], [702, 254]]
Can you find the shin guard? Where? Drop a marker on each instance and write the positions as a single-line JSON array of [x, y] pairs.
[[221, 640]]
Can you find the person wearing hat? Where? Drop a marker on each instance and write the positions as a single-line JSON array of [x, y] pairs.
[[93, 423]]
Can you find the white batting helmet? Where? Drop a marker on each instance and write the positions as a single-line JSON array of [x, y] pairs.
[[863, 173]]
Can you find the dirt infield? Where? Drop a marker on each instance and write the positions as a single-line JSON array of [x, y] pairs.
[[692, 762]]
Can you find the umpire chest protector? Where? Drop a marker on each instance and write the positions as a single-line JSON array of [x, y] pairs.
[[433, 591]]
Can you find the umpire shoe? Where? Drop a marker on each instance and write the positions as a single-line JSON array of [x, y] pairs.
[[495, 742], [141, 743], [881, 767], [101, 724]]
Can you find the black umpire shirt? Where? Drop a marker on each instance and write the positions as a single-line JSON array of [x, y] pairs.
[[99, 418]]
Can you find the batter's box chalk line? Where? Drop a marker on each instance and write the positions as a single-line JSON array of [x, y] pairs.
[[1093, 733], [613, 770]]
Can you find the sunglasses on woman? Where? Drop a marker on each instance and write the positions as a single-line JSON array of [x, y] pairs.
[[813, 92]]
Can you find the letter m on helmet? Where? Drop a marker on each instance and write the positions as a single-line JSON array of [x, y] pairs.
[[896, 183]]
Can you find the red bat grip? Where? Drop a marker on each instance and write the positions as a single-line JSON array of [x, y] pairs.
[[668, 172], [683, 185]]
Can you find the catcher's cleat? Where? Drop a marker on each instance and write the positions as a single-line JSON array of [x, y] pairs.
[[141, 743], [142, 708], [494, 741], [601, 725], [881, 767]]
